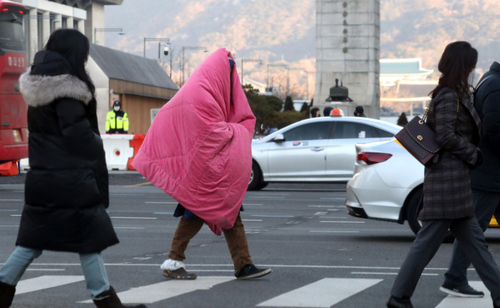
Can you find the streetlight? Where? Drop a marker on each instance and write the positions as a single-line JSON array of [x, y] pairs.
[[183, 60], [120, 30], [248, 60], [155, 39]]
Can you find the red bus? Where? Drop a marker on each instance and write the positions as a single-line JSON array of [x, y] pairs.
[[13, 108]]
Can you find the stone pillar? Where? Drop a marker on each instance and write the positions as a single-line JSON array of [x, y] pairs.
[[33, 42], [58, 24], [348, 48], [95, 19], [81, 26], [46, 27], [69, 22]]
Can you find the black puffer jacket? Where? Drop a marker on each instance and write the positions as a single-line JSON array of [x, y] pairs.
[[487, 103], [66, 189]]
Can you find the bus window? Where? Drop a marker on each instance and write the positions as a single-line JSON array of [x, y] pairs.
[[11, 28]]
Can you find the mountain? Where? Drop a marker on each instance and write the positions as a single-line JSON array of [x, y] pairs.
[[283, 31]]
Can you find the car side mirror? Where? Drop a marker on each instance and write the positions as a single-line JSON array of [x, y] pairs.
[[279, 138]]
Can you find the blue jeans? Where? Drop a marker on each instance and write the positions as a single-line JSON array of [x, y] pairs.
[[486, 204], [95, 274]]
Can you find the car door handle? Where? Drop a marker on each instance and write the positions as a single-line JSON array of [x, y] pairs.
[[317, 149]]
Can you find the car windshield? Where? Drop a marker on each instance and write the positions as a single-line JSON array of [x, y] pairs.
[[11, 28]]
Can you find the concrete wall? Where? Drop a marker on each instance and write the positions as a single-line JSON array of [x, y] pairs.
[[348, 48]]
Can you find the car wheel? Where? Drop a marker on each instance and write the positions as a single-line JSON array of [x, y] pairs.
[[411, 215], [255, 182]]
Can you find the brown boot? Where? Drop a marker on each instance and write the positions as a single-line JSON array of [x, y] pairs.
[[6, 295], [109, 299]]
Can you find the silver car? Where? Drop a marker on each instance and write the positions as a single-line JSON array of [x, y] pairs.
[[314, 150]]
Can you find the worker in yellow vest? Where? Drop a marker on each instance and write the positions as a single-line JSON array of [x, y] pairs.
[[117, 120]]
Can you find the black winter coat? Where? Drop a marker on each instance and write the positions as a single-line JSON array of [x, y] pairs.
[[487, 103], [447, 190], [66, 190]]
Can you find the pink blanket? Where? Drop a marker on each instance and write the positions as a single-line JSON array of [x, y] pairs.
[[198, 149]]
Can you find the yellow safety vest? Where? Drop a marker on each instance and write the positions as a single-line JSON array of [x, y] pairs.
[[117, 122]]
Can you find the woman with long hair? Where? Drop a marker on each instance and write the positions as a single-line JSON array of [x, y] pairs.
[[447, 196], [66, 189]]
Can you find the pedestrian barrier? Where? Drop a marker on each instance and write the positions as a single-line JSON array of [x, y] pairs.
[[9, 168], [118, 150], [25, 164], [136, 144]]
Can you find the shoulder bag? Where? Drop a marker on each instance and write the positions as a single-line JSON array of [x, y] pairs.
[[419, 139]]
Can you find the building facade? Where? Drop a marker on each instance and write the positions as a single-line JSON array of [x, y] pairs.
[[44, 16], [348, 49]]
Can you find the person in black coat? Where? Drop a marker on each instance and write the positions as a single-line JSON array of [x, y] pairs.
[[66, 189], [485, 179], [447, 196]]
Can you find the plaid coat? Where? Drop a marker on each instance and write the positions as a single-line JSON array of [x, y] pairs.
[[447, 189]]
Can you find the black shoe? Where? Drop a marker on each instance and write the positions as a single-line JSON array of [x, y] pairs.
[[250, 271], [398, 303], [463, 291]]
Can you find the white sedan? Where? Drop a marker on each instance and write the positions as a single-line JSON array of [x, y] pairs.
[[314, 150], [387, 184]]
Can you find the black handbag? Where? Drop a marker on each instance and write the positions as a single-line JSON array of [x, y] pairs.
[[419, 139]]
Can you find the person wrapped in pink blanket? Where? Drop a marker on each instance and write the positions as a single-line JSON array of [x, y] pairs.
[[198, 150]]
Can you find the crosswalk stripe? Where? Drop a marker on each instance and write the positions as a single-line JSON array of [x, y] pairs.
[[45, 282], [322, 293], [160, 291], [452, 301]]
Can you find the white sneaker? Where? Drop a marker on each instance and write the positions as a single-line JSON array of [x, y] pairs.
[[172, 265]]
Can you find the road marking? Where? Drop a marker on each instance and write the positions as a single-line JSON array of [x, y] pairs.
[[378, 273], [320, 213], [136, 185], [160, 202], [332, 231], [160, 291], [251, 219], [322, 206], [343, 222], [323, 293], [45, 282], [453, 301], [146, 218]]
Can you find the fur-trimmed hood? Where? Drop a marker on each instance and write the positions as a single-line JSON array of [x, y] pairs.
[[39, 90]]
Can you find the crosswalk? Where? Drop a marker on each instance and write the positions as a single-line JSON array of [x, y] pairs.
[[325, 292]]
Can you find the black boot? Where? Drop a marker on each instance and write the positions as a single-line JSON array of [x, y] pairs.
[[398, 303], [109, 299], [6, 295]]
